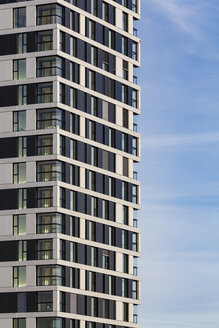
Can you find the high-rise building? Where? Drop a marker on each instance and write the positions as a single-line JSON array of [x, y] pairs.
[[69, 194]]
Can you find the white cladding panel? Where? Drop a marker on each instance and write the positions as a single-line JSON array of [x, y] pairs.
[[5, 173], [6, 225], [5, 122], [6, 19], [6, 277], [6, 70]]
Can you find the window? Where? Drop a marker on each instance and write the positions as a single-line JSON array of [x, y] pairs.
[[73, 46], [125, 70], [134, 242], [73, 149], [91, 231], [134, 289], [125, 263], [105, 11], [112, 236], [19, 224], [125, 166], [73, 200], [125, 22], [125, 215], [94, 306], [91, 133], [19, 323], [73, 97], [105, 259], [91, 281], [135, 266], [134, 51], [134, 98], [50, 275], [91, 180], [94, 106], [50, 14], [44, 249], [112, 88], [74, 72], [124, 142], [50, 171], [91, 29], [112, 38], [19, 276], [112, 137], [94, 256], [105, 209], [125, 312], [124, 287], [19, 120], [75, 21], [22, 146], [74, 226], [94, 7], [112, 285], [124, 190], [124, 46], [135, 218], [105, 309], [105, 61], [105, 110], [124, 94], [44, 93], [135, 313], [134, 6], [94, 156], [50, 118], [44, 197], [94, 56], [22, 199], [19, 173], [50, 66], [125, 3], [112, 187], [21, 43], [105, 159], [73, 252], [50, 323], [62, 41], [94, 206], [125, 239], [44, 301], [91, 80], [134, 194], [19, 69], [62, 93], [125, 117], [19, 17], [22, 250], [22, 95], [44, 40], [134, 146], [50, 223], [44, 145]]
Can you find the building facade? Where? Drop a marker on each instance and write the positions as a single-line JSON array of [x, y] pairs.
[[69, 193]]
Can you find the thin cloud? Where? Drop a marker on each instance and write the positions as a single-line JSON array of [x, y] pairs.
[[180, 140], [185, 16]]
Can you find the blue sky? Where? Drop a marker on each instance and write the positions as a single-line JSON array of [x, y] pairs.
[[180, 163]]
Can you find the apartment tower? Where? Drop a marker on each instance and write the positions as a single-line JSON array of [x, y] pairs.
[[69, 194]]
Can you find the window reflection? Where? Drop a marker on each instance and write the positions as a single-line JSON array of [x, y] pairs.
[[50, 223]]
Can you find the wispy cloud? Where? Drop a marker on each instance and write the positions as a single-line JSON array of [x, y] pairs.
[[180, 140], [185, 15]]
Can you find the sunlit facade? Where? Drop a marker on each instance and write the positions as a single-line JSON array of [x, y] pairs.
[[69, 194]]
